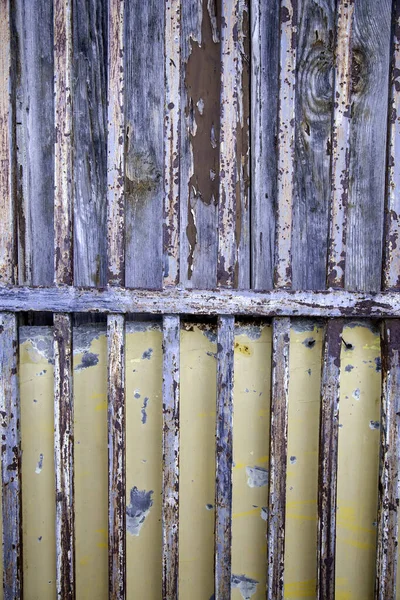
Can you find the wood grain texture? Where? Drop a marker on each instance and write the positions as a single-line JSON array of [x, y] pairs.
[[234, 202], [144, 117], [90, 143], [201, 87], [264, 114], [10, 458], [370, 73], [388, 511], [64, 457], [170, 503], [315, 56], [277, 460], [172, 142], [116, 457], [116, 145], [224, 450], [328, 460]]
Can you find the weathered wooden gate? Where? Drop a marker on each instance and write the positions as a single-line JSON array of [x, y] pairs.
[[199, 157]]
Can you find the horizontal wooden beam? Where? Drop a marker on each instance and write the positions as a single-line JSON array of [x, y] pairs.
[[284, 303]]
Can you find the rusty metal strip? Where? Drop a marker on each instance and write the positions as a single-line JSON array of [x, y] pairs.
[[388, 511], [278, 452], [286, 147], [391, 268], [172, 141], [116, 457], [170, 504], [340, 146], [10, 458], [64, 457], [328, 456], [224, 448], [116, 145]]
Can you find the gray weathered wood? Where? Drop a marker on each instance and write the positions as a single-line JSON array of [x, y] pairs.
[[277, 461], [116, 457], [201, 87], [224, 451], [388, 513], [328, 456], [172, 141], [170, 503], [264, 112], [10, 457], [144, 120]]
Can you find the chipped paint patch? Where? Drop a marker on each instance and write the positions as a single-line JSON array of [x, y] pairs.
[[138, 509], [374, 425], [264, 513], [143, 410], [147, 354], [89, 359], [39, 465], [246, 585], [256, 476]]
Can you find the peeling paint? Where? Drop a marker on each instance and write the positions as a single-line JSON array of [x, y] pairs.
[[39, 465], [256, 476], [144, 413], [138, 509], [147, 354], [89, 359], [246, 586]]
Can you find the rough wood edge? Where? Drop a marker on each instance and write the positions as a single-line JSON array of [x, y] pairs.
[[170, 502]]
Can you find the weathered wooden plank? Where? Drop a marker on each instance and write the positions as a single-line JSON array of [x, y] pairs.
[[277, 460], [144, 121], [116, 457], [201, 87], [315, 55], [224, 449], [284, 303], [170, 504], [90, 145], [64, 457], [286, 143], [370, 86], [328, 456], [264, 114], [233, 209], [172, 141], [35, 136], [388, 517], [10, 458], [116, 145]]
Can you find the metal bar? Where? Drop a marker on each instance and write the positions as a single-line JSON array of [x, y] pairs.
[[172, 141], [170, 504], [10, 458], [388, 517], [224, 449], [116, 457], [278, 454], [328, 453], [340, 146]]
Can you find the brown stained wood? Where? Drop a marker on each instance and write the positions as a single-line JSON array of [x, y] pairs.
[[144, 122], [286, 144], [315, 55], [370, 86], [201, 61], [90, 144], [233, 210], [10, 458], [224, 449], [170, 504], [172, 141], [63, 153], [264, 65], [388, 517], [64, 457], [116, 145], [328, 461], [116, 457], [277, 461]]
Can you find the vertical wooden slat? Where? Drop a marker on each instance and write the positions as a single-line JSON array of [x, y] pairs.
[[340, 146], [224, 449], [170, 504], [172, 140], [63, 275], [278, 453], [327, 484], [233, 211]]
